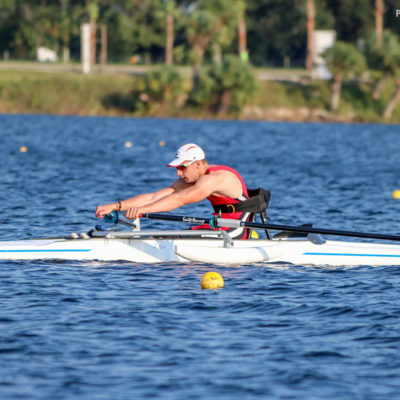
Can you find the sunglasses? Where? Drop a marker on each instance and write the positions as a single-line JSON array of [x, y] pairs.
[[182, 167]]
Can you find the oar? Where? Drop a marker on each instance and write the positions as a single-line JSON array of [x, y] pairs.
[[113, 218], [216, 222]]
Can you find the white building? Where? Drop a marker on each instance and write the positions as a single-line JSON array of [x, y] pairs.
[[44, 54]]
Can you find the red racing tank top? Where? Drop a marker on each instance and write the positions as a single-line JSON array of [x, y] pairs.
[[220, 200], [236, 233]]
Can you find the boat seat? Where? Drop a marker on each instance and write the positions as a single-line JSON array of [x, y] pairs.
[[260, 208]]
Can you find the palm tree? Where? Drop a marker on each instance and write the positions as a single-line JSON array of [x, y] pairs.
[[310, 33], [387, 113], [383, 58], [206, 21], [391, 68], [203, 26], [379, 9], [93, 10], [242, 34], [343, 60], [169, 19]]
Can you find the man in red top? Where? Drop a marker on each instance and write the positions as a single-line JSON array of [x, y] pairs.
[[197, 180]]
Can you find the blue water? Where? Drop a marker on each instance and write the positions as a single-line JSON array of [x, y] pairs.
[[75, 330]]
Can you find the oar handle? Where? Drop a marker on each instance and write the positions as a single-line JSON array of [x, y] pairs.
[[113, 218]]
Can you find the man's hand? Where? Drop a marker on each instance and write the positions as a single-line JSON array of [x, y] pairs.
[[133, 213], [102, 211]]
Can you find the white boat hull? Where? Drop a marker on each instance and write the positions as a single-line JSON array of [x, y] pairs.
[[151, 250]]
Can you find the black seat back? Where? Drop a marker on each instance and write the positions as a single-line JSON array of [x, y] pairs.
[[263, 197]]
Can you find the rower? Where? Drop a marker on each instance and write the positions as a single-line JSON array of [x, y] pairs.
[[197, 180]]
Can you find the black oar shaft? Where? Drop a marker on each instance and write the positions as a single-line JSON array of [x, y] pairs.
[[334, 232], [127, 223], [222, 222], [177, 218]]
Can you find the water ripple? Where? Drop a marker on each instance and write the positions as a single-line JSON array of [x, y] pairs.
[[124, 330]]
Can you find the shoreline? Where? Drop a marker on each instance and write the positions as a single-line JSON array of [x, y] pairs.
[[97, 94], [208, 118]]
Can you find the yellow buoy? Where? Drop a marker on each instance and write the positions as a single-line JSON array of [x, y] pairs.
[[161, 143], [23, 149], [212, 280], [396, 194], [128, 144]]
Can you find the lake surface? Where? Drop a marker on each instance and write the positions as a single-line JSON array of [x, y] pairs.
[[74, 330]]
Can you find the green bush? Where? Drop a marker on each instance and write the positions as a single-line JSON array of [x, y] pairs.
[[157, 89], [225, 88]]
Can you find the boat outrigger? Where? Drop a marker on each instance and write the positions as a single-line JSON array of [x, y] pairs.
[[302, 245]]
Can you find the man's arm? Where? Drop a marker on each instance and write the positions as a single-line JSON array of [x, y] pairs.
[[206, 185], [145, 198], [135, 201]]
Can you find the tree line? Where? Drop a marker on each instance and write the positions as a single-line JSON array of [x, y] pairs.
[[185, 31], [211, 32]]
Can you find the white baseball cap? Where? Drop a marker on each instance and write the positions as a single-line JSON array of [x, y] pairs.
[[187, 153]]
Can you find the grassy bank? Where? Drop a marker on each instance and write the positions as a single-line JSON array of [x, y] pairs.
[[104, 94], [54, 93]]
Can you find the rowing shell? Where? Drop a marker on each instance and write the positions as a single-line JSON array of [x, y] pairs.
[[205, 247]]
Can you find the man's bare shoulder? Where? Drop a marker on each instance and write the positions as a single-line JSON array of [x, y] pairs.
[[221, 173], [218, 171], [211, 182], [222, 182], [180, 184]]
